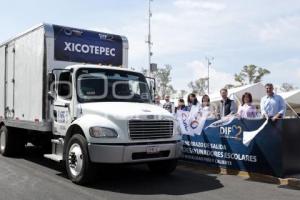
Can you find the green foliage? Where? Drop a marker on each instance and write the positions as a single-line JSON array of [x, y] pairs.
[[163, 80], [182, 93], [286, 87], [229, 86], [250, 74], [200, 86]]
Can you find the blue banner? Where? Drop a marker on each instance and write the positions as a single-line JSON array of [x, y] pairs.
[[84, 46], [223, 147]]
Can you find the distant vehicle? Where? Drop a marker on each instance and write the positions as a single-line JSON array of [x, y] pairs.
[[69, 91]]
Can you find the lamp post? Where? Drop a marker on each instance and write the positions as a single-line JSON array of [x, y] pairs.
[[209, 60], [149, 40]]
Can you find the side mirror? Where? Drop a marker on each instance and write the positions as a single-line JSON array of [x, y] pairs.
[[51, 95], [65, 89], [51, 78], [51, 87], [152, 86]]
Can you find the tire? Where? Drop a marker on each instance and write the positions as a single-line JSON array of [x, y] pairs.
[[78, 165], [11, 142], [164, 167]]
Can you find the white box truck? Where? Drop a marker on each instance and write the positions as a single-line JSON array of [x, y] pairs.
[[69, 91]]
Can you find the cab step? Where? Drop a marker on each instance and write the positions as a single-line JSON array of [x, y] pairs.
[[57, 150], [54, 157]]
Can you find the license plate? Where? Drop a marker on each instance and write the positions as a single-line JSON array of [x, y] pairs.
[[152, 150]]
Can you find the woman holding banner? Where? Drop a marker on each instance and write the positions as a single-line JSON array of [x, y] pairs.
[[247, 109], [206, 109], [193, 102], [181, 106]]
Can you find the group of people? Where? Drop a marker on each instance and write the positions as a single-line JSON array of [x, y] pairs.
[[272, 106]]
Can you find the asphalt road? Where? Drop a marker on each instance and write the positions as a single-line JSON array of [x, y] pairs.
[[32, 177]]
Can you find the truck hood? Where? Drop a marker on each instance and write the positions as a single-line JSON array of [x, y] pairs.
[[126, 110]]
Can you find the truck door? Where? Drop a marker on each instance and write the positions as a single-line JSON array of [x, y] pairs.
[[62, 104], [10, 81]]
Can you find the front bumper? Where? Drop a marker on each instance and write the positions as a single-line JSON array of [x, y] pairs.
[[127, 153]]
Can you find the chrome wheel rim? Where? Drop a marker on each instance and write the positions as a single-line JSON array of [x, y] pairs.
[[75, 159], [2, 140]]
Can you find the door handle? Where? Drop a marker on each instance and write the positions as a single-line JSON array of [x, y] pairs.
[[65, 105]]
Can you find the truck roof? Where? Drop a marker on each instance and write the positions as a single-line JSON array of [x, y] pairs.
[[61, 46], [33, 28], [21, 34]]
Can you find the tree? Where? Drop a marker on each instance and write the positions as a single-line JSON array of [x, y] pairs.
[[170, 90], [250, 74], [229, 86], [286, 87], [163, 81], [200, 86], [181, 93]]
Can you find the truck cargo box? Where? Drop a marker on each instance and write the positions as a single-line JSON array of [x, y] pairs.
[[26, 60]]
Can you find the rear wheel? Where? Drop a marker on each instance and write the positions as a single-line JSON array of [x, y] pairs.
[[163, 167], [78, 165], [11, 141]]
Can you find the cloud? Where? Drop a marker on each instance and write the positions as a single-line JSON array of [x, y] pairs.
[[284, 31], [102, 29], [185, 31], [284, 71], [298, 72], [199, 4], [218, 79]]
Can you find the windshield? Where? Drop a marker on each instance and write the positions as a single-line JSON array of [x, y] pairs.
[[98, 85]]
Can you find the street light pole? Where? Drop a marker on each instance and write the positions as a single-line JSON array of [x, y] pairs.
[[149, 41], [209, 60]]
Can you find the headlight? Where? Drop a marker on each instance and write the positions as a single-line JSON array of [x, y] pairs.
[[101, 132]]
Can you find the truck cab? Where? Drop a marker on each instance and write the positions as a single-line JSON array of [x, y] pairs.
[[68, 91], [105, 115]]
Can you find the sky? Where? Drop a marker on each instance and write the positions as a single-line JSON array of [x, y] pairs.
[[234, 32]]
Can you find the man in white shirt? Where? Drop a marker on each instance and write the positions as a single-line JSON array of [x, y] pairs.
[[272, 105]]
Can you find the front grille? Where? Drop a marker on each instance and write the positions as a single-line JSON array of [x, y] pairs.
[[150, 129]]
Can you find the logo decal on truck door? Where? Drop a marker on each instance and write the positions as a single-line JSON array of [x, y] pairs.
[[62, 116]]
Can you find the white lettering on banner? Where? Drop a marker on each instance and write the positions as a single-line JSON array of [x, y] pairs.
[[222, 122], [206, 159], [91, 49], [205, 145], [215, 151]]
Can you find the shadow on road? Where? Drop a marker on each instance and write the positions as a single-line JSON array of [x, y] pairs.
[[136, 179]]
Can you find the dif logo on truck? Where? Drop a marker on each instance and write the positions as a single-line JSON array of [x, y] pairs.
[[84, 46]]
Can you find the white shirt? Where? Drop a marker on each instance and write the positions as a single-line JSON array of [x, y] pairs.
[[247, 111]]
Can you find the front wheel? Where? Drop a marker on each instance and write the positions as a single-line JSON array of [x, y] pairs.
[[163, 167], [78, 165]]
